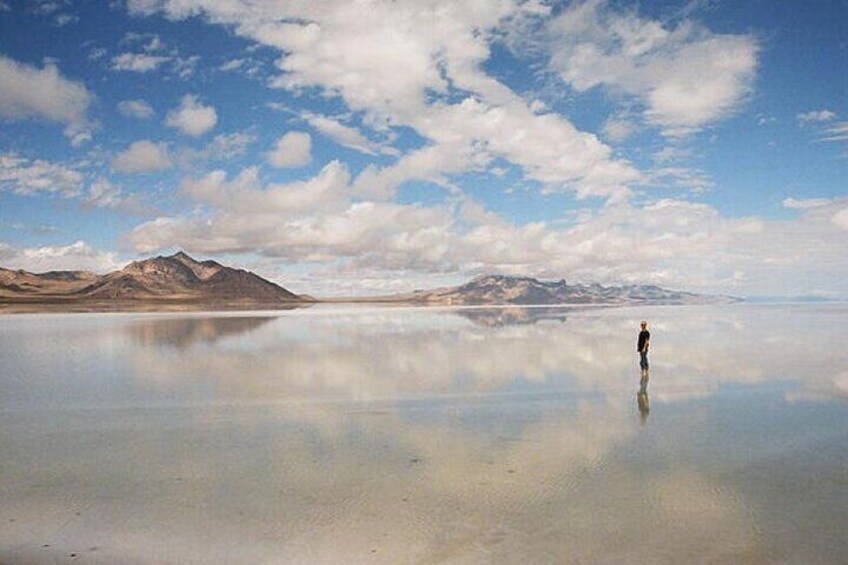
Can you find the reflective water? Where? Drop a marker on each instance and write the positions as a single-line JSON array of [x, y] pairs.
[[401, 435]]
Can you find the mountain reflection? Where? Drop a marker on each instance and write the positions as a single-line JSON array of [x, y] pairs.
[[511, 316], [184, 332]]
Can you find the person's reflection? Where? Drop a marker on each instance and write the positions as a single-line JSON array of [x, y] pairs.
[[642, 398]]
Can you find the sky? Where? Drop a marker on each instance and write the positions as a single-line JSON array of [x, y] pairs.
[[367, 146]]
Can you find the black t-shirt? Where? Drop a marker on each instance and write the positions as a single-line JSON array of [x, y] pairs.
[[644, 336]]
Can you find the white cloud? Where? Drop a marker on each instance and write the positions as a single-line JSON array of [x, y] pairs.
[[469, 135], [312, 220], [836, 132], [618, 129], [421, 66], [806, 203], [233, 65], [686, 76], [345, 136], [192, 117], [816, 116], [29, 92], [294, 149], [840, 218], [149, 42], [539, 107], [326, 192], [401, 66], [32, 176], [46, 7], [138, 109], [185, 67], [138, 62], [674, 243], [229, 145], [104, 194], [64, 19], [222, 147], [671, 153], [78, 256], [141, 157], [679, 177]]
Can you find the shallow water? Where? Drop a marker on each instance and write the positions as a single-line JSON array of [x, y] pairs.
[[403, 435]]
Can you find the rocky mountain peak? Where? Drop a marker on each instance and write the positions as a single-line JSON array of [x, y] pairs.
[[202, 269]]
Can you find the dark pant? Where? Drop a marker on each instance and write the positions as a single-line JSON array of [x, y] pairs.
[[643, 360]]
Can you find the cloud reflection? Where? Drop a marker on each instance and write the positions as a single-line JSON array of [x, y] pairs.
[[387, 354], [395, 435]]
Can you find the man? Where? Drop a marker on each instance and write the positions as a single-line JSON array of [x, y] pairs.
[[642, 346]]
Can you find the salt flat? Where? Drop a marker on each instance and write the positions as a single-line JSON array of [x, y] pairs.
[[407, 435]]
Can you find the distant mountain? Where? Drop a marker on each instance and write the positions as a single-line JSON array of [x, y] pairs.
[[500, 289], [176, 278], [180, 278], [22, 283]]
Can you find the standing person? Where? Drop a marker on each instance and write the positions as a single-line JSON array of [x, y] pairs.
[[642, 345]]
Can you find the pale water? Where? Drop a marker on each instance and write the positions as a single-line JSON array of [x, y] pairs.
[[403, 435]]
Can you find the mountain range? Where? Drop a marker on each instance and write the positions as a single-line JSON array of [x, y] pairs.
[[508, 290], [175, 278], [180, 278]]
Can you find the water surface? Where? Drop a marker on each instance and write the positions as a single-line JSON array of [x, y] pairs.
[[405, 435]]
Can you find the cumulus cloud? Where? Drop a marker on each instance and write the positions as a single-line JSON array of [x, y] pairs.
[[77, 256], [294, 149], [192, 117], [675, 243], [138, 109], [468, 136], [141, 157], [834, 210], [405, 65], [313, 220], [104, 194], [815, 116], [28, 177], [229, 145], [43, 93], [32, 177], [685, 76], [840, 218], [138, 62], [420, 67], [222, 147], [618, 128]]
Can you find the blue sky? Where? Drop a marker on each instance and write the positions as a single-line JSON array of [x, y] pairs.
[[373, 146]]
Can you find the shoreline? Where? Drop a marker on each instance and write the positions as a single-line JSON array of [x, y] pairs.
[[168, 306]]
